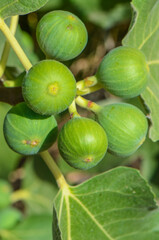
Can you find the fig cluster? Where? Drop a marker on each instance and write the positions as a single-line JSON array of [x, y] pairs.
[[49, 88]]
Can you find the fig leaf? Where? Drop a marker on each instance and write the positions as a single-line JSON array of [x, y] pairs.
[[10, 8], [127, 209], [143, 34]]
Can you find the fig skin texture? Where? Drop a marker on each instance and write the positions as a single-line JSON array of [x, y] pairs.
[[126, 127], [124, 72], [27, 132], [49, 87], [82, 143], [61, 35]]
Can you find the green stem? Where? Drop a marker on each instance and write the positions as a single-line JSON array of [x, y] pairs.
[[87, 104], [6, 50], [15, 45], [20, 195], [86, 91], [87, 82], [12, 83], [73, 110], [61, 182], [88, 85]]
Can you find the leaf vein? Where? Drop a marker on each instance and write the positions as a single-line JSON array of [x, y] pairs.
[[92, 217]]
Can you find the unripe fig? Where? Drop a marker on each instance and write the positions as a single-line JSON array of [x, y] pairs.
[[126, 127], [49, 87], [61, 35], [27, 132], [123, 72], [82, 143], [5, 193]]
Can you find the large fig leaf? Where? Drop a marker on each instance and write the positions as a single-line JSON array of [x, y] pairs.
[[10, 8], [144, 35], [115, 205]]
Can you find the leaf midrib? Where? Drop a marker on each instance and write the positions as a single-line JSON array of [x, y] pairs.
[[70, 195]]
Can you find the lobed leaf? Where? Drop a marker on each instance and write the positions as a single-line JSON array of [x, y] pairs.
[[144, 34], [116, 205], [10, 8]]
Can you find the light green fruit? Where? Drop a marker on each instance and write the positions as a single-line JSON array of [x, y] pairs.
[[27, 132], [82, 143], [61, 35], [126, 127], [49, 87], [124, 72]]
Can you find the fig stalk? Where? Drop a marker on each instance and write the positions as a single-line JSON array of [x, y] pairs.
[[87, 104], [5, 54], [61, 182], [88, 85], [73, 110], [87, 82], [20, 195], [15, 45]]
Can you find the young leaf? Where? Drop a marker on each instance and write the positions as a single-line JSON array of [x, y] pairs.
[[116, 205], [144, 34], [10, 8]]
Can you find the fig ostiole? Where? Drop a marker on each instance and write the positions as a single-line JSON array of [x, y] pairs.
[[82, 143], [49, 87], [126, 127], [124, 72], [27, 132], [61, 35]]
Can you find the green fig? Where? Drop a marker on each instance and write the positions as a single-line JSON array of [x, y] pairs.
[[27, 132], [49, 87], [61, 35], [126, 127], [123, 72], [82, 143]]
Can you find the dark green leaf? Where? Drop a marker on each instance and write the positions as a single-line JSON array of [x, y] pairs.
[[10, 8], [56, 230], [116, 205]]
